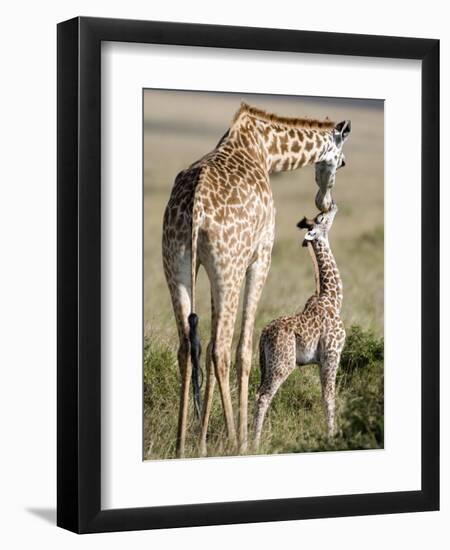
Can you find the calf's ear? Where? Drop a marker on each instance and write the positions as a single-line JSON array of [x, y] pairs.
[[305, 223]]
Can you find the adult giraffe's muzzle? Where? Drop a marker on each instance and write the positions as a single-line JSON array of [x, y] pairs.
[[324, 200]]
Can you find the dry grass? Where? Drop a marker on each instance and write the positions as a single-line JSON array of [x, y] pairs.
[[182, 126]]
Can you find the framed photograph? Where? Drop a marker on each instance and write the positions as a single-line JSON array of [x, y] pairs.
[[248, 275]]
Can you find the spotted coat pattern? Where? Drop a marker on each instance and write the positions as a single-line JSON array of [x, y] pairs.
[[221, 215], [316, 335]]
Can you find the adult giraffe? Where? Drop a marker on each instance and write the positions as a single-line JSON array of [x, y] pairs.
[[221, 215]]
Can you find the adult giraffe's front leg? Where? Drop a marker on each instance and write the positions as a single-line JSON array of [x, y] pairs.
[[255, 279]]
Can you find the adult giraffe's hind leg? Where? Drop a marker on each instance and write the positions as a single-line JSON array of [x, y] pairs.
[[255, 279], [181, 310], [226, 301], [208, 399], [185, 365], [180, 291], [209, 388]]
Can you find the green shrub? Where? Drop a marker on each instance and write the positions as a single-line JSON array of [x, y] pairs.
[[361, 418], [362, 349]]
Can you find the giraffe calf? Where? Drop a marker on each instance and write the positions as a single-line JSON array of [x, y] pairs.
[[316, 335]]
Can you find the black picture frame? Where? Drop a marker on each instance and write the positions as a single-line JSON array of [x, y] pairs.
[[79, 280]]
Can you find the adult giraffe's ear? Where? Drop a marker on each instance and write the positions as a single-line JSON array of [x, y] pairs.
[[342, 130], [305, 223]]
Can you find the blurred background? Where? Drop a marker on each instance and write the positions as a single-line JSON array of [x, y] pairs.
[[179, 128]]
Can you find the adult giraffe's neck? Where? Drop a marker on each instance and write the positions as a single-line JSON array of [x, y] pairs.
[[330, 283], [288, 147]]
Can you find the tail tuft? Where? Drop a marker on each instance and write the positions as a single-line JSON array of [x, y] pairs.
[[196, 349]]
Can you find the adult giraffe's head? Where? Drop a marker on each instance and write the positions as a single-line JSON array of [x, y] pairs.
[[331, 160]]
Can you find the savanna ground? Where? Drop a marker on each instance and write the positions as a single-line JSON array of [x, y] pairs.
[[179, 128]]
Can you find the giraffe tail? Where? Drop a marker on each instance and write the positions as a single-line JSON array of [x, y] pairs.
[[194, 340], [196, 349]]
